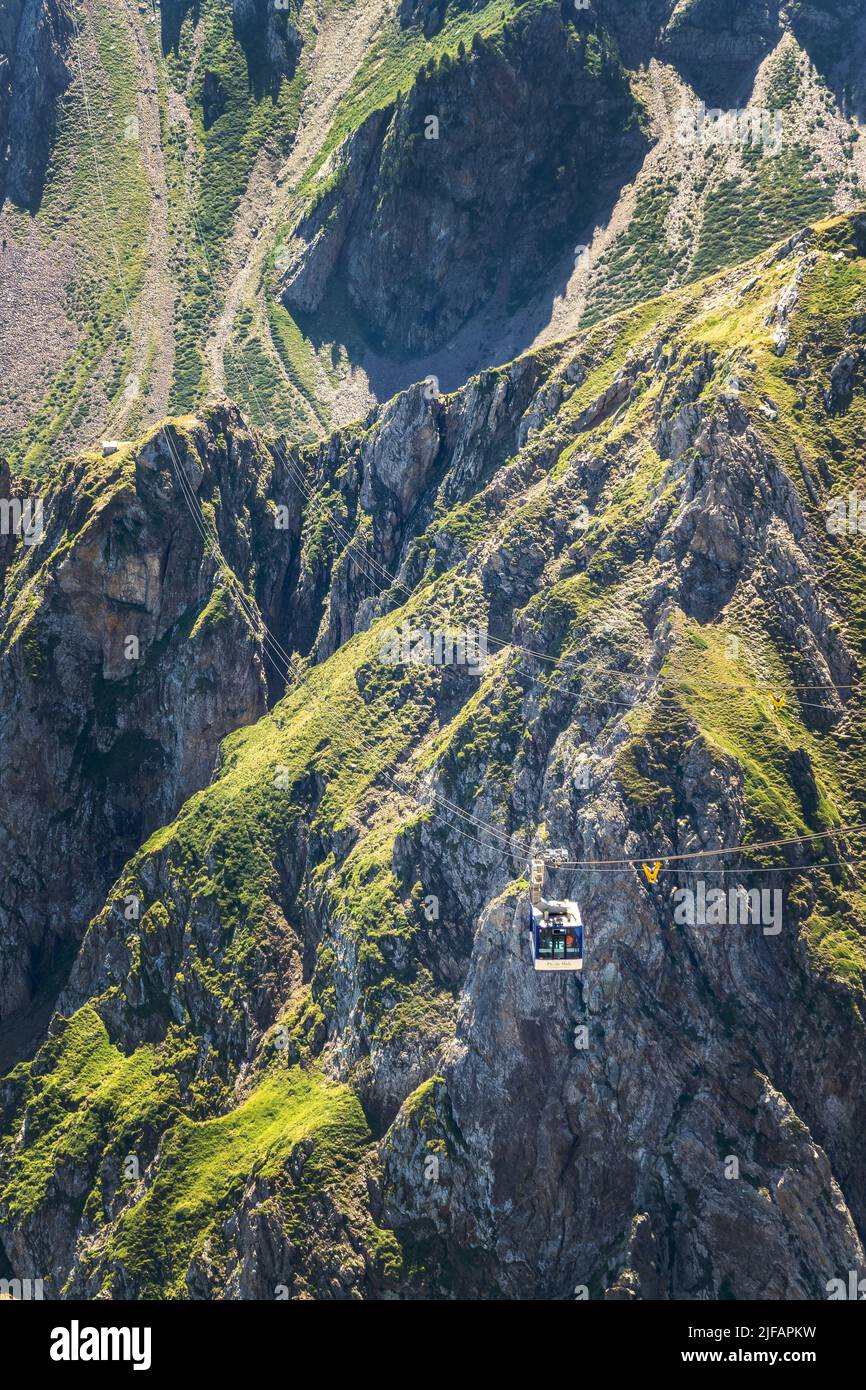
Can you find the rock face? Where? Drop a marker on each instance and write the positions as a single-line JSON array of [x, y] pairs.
[[34, 72], [302, 1049], [420, 207], [717, 44], [469, 190], [122, 666], [267, 31]]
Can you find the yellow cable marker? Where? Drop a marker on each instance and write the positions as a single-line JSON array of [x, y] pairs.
[[778, 700], [652, 871]]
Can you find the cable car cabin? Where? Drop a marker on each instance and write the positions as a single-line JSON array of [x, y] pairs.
[[555, 928], [557, 938]]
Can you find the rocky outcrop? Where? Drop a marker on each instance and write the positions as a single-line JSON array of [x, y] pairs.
[[123, 663], [544, 1206], [269, 34], [826, 29], [715, 43], [308, 263], [34, 72], [420, 208]]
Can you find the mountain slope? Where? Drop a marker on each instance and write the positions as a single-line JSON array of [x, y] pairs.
[[302, 206], [294, 1040], [391, 193]]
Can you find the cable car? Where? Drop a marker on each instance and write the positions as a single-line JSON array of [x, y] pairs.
[[555, 928]]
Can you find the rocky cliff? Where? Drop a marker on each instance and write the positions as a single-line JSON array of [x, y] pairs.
[[483, 171], [122, 666], [301, 1050], [34, 73]]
